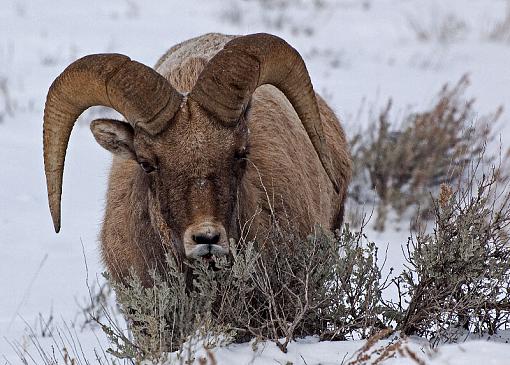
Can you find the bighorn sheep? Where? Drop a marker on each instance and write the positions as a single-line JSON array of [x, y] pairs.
[[224, 130]]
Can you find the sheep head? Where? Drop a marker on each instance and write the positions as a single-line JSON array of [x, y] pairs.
[[191, 149], [191, 169]]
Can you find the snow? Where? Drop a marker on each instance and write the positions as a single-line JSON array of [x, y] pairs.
[[356, 51], [310, 351]]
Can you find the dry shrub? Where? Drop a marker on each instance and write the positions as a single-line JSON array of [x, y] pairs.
[[289, 280], [374, 352], [366, 353], [457, 279], [354, 289], [7, 103], [93, 308], [276, 290], [441, 28], [293, 16], [168, 314], [327, 286], [66, 348], [406, 161], [501, 30]]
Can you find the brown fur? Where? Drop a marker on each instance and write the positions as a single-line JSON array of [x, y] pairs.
[[283, 174]]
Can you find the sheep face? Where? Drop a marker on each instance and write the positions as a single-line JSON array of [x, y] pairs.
[[192, 170]]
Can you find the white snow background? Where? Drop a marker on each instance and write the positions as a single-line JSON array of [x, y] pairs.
[[355, 50]]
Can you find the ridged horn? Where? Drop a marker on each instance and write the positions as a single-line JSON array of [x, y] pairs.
[[136, 91], [227, 82]]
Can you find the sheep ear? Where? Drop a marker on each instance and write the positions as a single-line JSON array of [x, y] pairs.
[[115, 136]]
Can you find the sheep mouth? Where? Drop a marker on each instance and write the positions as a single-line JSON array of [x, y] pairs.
[[207, 254], [206, 251]]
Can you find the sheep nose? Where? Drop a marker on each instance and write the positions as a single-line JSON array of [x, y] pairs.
[[206, 238]]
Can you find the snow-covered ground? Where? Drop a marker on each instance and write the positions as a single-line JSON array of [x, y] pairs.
[[356, 50], [311, 351]]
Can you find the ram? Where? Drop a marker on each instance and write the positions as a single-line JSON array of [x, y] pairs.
[[225, 133]]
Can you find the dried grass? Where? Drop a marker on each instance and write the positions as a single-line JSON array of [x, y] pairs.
[[405, 162], [501, 30], [434, 27], [7, 103]]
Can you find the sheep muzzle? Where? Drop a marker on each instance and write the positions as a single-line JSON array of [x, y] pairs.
[[205, 240]]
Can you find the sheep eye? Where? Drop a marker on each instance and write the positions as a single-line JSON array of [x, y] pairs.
[[147, 167]]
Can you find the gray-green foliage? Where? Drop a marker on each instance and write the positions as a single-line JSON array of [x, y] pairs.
[[324, 285], [181, 305], [458, 276], [355, 289]]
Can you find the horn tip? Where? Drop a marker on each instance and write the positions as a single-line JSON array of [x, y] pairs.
[[56, 222]]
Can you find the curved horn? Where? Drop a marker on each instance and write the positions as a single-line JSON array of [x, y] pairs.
[[136, 91], [226, 84]]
